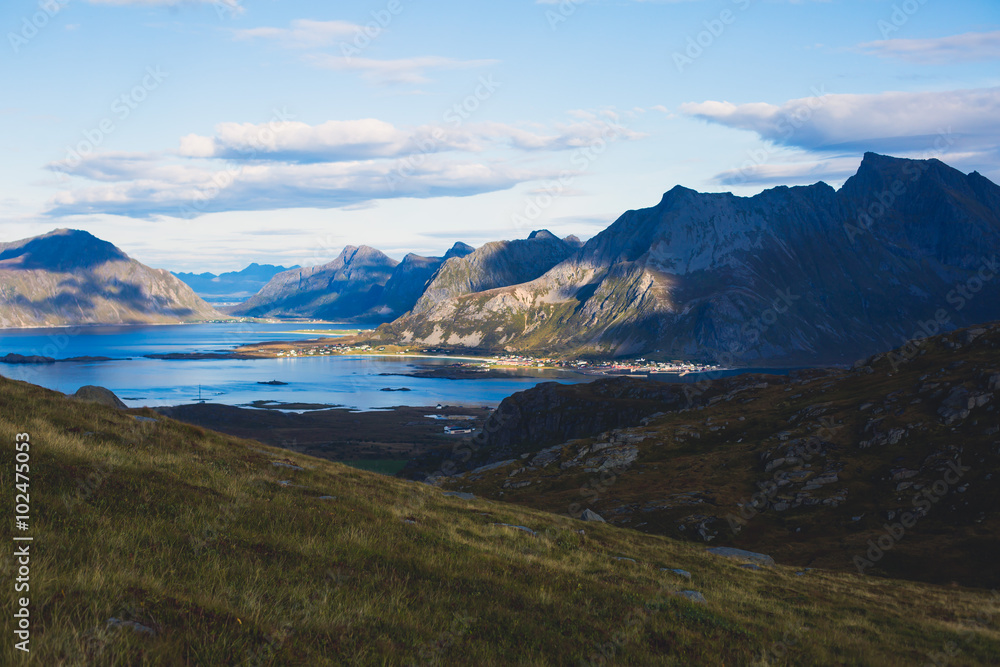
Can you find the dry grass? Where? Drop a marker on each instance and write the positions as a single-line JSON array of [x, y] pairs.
[[189, 533]]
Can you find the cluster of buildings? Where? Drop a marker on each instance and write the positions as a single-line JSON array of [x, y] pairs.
[[319, 350], [616, 367]]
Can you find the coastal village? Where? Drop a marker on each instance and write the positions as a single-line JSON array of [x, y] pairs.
[[639, 366]]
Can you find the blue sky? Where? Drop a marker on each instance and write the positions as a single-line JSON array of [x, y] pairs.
[[203, 135]]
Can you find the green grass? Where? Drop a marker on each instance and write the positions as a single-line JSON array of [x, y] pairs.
[[382, 467], [190, 533]]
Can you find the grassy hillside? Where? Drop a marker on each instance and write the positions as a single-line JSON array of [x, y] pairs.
[[210, 550]]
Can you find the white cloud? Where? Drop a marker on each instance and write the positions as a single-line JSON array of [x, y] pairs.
[[188, 191], [303, 33], [369, 138], [966, 47], [789, 173], [884, 122], [336, 164]]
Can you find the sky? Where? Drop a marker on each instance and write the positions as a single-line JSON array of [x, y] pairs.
[[202, 135]]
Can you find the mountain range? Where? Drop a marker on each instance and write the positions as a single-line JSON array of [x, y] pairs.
[[70, 277], [800, 274], [233, 285], [793, 275], [362, 284]]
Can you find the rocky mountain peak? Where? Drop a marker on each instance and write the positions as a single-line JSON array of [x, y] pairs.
[[59, 250], [459, 250]]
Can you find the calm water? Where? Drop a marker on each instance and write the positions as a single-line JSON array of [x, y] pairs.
[[351, 381]]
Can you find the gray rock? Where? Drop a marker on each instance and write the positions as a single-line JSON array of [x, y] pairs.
[[286, 464], [956, 405], [131, 625], [140, 418], [460, 494], [774, 464], [693, 596], [677, 571], [521, 528], [100, 395], [590, 515], [546, 456], [618, 457], [741, 554]]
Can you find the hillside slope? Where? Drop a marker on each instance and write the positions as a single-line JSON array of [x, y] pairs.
[[160, 543], [791, 275], [69, 277], [814, 468]]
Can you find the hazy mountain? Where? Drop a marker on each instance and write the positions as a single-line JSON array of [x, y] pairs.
[[345, 288], [791, 274], [362, 284], [234, 284], [69, 277]]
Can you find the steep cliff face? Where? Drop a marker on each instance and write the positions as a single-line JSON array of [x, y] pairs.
[[70, 277], [410, 279], [496, 264], [791, 275]]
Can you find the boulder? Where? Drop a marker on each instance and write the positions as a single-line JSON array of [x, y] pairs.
[[590, 515], [693, 596], [99, 395], [677, 571]]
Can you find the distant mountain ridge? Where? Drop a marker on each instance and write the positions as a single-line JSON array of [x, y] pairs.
[[344, 288], [361, 284], [70, 277], [791, 275], [233, 284]]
